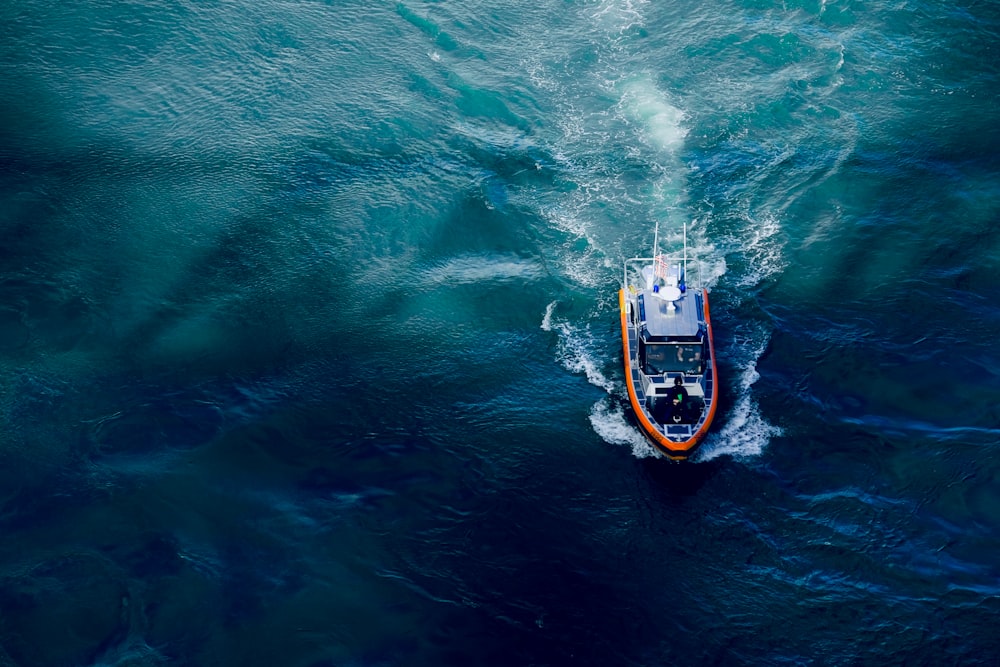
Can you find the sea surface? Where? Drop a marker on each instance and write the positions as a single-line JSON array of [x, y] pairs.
[[310, 352]]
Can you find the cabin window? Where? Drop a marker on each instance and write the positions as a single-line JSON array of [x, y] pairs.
[[673, 358]]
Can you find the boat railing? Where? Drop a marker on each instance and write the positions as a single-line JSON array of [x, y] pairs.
[[638, 270]]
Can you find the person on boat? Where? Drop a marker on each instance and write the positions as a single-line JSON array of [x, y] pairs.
[[673, 407], [678, 400]]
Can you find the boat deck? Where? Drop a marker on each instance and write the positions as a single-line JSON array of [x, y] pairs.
[[660, 318]]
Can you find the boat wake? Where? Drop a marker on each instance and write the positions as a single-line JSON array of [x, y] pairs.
[[609, 422], [600, 221], [572, 350], [759, 244], [575, 351], [745, 433]]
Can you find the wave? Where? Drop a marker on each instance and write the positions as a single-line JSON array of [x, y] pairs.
[[746, 433], [574, 349], [473, 269], [662, 123], [609, 422], [578, 352], [618, 19], [760, 244]]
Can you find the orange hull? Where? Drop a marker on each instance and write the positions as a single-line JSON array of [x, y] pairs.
[[677, 451]]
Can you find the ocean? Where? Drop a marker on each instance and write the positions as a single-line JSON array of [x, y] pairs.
[[310, 352]]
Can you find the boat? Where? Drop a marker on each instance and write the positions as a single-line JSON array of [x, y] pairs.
[[670, 368]]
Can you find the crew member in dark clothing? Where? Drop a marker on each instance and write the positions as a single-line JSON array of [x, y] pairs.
[[678, 400], [673, 407]]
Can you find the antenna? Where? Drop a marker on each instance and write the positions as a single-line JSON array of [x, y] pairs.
[[656, 238], [685, 251]]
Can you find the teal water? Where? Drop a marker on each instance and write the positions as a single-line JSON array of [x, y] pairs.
[[309, 347]]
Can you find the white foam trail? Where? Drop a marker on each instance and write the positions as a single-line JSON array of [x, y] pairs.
[[547, 318], [746, 433], [763, 252], [645, 119], [609, 422], [574, 349], [663, 124], [477, 269], [574, 355], [662, 129], [617, 17], [586, 267]]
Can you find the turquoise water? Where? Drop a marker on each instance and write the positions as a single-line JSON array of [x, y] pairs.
[[309, 347]]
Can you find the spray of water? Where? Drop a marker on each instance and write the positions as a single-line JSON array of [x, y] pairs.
[[746, 432], [609, 422], [574, 349]]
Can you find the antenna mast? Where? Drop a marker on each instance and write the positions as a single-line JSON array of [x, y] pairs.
[[685, 250]]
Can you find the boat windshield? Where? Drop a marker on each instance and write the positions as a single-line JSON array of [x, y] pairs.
[[673, 358]]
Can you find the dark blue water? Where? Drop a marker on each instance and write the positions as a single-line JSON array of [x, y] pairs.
[[309, 347]]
